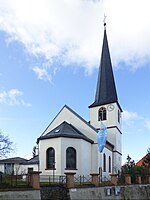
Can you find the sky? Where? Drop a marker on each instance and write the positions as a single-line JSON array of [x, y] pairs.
[[49, 56]]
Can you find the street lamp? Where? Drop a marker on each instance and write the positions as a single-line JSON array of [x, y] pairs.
[[53, 170]]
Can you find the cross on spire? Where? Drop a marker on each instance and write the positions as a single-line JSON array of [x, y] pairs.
[[104, 20]]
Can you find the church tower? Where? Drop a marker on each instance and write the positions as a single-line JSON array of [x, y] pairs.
[[106, 106]]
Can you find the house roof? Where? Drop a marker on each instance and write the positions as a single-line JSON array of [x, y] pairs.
[[65, 130], [141, 161], [18, 160], [34, 160], [106, 89]]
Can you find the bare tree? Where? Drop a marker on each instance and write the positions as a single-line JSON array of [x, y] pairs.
[[6, 145]]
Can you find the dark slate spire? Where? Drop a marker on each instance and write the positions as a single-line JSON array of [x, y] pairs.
[[106, 89]]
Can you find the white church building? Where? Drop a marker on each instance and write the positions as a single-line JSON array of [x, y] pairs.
[[69, 143]]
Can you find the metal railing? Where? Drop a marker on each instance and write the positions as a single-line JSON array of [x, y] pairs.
[[83, 180], [14, 181], [49, 179]]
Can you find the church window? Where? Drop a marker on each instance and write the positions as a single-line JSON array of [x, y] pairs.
[[104, 162], [119, 116], [50, 158], [70, 158], [102, 115], [109, 164]]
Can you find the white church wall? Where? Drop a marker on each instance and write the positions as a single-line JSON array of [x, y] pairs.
[[95, 168], [106, 174], [76, 144], [112, 116], [85, 158], [83, 153], [43, 146]]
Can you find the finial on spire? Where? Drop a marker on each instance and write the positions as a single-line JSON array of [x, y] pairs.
[[104, 21]]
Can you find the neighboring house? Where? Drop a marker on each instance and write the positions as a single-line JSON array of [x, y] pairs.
[[141, 162], [69, 142], [18, 165]]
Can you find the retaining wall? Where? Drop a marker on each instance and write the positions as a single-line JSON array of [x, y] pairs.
[[131, 192], [20, 195]]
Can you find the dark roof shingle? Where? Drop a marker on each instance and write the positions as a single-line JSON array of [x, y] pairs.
[[65, 130]]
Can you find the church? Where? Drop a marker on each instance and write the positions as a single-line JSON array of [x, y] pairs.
[[69, 143]]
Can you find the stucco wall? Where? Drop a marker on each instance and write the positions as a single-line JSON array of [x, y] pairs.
[[83, 155]]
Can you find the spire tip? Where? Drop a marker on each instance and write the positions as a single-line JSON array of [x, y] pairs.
[[104, 22]]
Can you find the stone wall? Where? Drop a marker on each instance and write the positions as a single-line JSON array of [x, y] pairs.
[[54, 192], [131, 192], [20, 195]]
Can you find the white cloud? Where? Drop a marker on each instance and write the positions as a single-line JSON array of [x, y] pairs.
[[12, 97], [147, 123], [71, 31], [128, 116], [42, 73]]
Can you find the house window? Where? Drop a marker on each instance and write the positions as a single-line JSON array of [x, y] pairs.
[[109, 164], [102, 114], [30, 169], [50, 158], [70, 158], [104, 162], [9, 168]]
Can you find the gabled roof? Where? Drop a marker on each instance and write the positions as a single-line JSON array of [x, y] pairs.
[[141, 162], [34, 160], [106, 89], [73, 112], [65, 130], [17, 160]]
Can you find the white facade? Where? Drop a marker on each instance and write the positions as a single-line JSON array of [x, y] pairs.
[[88, 159], [113, 124]]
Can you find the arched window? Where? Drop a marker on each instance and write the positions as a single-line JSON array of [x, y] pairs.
[[119, 116], [109, 164], [104, 162], [102, 114], [50, 158], [70, 158]]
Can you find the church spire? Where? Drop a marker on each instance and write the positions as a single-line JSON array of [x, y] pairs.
[[106, 89]]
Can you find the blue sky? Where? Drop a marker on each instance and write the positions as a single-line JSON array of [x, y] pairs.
[[49, 57]]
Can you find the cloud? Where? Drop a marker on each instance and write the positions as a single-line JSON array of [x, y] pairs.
[[12, 97], [71, 31], [135, 120], [147, 122], [42, 73], [128, 116]]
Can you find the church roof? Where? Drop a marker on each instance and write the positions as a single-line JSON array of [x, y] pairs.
[[74, 113], [65, 130], [106, 89]]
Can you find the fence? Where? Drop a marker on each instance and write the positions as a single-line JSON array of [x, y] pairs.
[[55, 179], [82, 180], [14, 181]]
